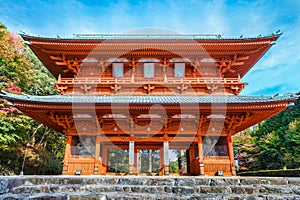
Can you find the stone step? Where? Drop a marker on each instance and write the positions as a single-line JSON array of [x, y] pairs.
[[141, 196], [163, 192], [105, 187], [132, 180], [237, 189]]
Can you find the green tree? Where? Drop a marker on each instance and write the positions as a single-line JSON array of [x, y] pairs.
[[272, 151], [246, 150], [292, 143], [272, 144], [21, 71]]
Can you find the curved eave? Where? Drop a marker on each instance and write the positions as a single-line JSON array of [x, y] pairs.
[[111, 48], [39, 107], [152, 99]]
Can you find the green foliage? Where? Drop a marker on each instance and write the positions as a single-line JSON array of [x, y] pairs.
[[174, 167], [155, 161], [292, 143], [13, 63], [118, 161], [273, 173], [21, 71], [279, 122], [13, 129], [273, 144], [271, 151], [245, 150]]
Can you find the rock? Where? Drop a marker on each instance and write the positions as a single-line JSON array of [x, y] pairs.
[[3, 186], [90, 196]]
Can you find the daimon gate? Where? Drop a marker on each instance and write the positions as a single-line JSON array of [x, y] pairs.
[[156, 92]]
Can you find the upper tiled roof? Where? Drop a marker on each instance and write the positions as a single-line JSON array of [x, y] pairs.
[[54, 52], [151, 37]]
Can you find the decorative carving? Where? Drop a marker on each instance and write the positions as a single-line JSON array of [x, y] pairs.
[[235, 120], [86, 125], [103, 64], [115, 88], [182, 87], [196, 63], [164, 63], [149, 88], [81, 123], [61, 88], [225, 64], [65, 121], [86, 88], [236, 89], [202, 120], [134, 63], [72, 64], [211, 88]]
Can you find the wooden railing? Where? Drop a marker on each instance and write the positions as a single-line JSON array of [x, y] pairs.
[[152, 81], [213, 164], [85, 164]]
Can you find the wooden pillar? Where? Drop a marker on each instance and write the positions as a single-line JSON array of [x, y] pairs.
[[161, 158], [98, 163], [181, 166], [164, 63], [67, 154], [231, 155], [191, 158], [105, 159], [150, 160], [200, 156], [132, 74], [131, 158], [166, 158], [136, 160], [133, 64], [188, 166]]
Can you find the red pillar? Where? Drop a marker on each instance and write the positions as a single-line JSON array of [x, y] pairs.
[[231, 155], [200, 156], [67, 154]]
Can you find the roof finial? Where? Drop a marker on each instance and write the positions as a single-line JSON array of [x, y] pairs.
[[278, 32], [23, 32]]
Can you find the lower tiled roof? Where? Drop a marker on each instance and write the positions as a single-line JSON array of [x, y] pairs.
[[148, 99]]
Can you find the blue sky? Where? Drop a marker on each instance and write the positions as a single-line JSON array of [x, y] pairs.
[[277, 72]]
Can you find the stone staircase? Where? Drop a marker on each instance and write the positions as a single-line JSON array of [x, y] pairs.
[[137, 187]]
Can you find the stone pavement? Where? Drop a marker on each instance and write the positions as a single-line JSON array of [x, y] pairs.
[[150, 188]]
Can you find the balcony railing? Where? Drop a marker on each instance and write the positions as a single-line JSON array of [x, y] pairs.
[[152, 81]]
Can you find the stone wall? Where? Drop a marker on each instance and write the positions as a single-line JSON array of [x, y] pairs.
[[136, 187]]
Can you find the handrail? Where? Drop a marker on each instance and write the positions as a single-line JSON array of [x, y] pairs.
[[152, 81]]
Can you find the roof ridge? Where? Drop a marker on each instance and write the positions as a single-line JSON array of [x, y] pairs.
[[106, 36]]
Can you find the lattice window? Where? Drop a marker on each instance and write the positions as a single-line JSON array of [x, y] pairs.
[[179, 70], [148, 70], [118, 70]]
